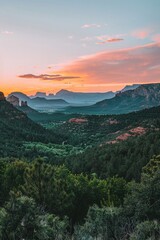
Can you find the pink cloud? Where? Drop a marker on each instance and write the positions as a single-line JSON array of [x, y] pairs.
[[141, 34], [110, 40], [156, 38], [121, 66]]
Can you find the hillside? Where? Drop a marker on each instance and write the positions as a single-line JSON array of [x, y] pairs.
[[42, 117], [16, 128], [144, 96], [115, 145]]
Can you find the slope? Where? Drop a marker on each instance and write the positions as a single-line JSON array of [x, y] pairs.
[[144, 96], [16, 128]]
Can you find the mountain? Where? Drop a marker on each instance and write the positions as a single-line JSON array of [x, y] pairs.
[[41, 95], [47, 104], [16, 128], [79, 98], [83, 98], [20, 95], [40, 103], [130, 87], [144, 96]]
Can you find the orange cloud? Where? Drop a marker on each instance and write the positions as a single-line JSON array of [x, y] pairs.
[[122, 66]]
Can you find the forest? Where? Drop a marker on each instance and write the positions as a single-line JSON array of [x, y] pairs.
[[64, 180]]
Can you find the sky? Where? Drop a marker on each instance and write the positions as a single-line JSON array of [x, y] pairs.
[[87, 45]]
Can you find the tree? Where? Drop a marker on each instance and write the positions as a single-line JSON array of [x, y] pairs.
[[148, 230], [107, 223], [22, 219]]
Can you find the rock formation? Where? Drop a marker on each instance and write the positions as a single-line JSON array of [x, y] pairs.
[[24, 103], [13, 100]]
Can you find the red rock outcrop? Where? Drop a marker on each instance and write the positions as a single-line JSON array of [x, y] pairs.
[[78, 120]]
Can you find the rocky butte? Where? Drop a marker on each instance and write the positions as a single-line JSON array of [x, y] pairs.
[[13, 100]]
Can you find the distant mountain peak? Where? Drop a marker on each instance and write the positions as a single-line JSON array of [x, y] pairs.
[[130, 87]]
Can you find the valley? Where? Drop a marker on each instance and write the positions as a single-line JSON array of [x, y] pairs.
[[80, 120], [68, 162]]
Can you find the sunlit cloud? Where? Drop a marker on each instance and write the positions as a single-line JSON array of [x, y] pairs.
[[128, 65], [54, 77], [110, 40], [91, 26]]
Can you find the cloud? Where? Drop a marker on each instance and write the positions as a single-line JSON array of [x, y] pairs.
[[70, 37], [91, 26], [54, 77], [156, 38], [141, 34], [128, 65], [7, 32], [110, 40], [87, 39]]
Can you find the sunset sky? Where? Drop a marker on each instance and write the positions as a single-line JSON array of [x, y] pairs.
[[79, 45]]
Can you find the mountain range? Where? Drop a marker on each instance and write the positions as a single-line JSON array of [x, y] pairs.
[[83, 98], [64, 98], [144, 96], [39, 103]]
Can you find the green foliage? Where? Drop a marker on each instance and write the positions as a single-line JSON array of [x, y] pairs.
[[44, 194], [152, 167], [144, 198], [16, 127], [58, 190], [22, 219], [125, 159], [52, 152], [148, 230], [44, 182], [104, 223]]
